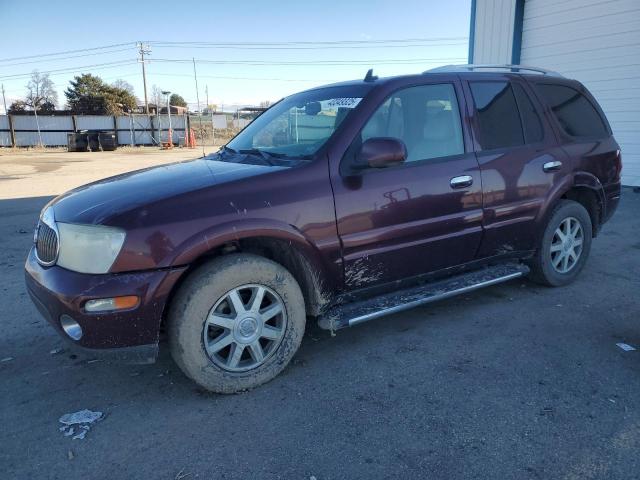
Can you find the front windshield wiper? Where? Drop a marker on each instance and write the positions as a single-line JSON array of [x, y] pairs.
[[266, 156], [226, 149]]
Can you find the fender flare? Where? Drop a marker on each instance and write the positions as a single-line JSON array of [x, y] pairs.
[[235, 231], [313, 268], [578, 179]]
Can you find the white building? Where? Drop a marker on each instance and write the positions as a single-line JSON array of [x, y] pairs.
[[594, 41]]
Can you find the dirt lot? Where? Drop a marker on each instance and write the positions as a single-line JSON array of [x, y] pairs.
[[33, 173], [512, 382]]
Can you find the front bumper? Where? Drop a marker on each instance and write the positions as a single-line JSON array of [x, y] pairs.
[[126, 334]]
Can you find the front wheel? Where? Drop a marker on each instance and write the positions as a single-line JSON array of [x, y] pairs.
[[564, 247], [236, 322]]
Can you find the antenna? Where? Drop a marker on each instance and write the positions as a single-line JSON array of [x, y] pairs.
[[370, 77]]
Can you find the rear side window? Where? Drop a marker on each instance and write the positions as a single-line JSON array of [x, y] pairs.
[[574, 112], [498, 117], [530, 120]]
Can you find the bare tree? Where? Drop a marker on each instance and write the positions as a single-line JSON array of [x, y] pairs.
[[265, 103], [124, 85], [156, 96], [40, 91]]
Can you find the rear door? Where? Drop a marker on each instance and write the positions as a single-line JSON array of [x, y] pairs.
[[402, 221], [515, 149]]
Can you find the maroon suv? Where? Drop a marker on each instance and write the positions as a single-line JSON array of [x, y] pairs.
[[343, 203]]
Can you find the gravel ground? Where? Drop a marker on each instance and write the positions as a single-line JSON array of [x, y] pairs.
[[51, 171], [514, 381]]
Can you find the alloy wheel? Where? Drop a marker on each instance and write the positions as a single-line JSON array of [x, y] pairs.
[[244, 328], [566, 245]]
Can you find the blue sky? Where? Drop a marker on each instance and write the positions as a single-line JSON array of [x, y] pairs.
[[38, 26]]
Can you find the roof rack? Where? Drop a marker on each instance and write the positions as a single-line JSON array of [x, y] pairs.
[[507, 68]]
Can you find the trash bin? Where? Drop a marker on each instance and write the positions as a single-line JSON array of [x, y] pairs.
[[108, 141], [77, 142], [94, 141]]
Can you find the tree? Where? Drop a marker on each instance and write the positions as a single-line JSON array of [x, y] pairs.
[[177, 101], [40, 90], [265, 103], [123, 85], [17, 107], [88, 94], [156, 96], [47, 107]]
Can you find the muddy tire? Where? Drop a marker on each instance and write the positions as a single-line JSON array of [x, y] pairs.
[[236, 322], [564, 247]]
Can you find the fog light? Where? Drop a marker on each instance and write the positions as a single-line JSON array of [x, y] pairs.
[[71, 327], [110, 304]]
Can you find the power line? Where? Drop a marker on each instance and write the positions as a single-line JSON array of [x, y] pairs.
[[60, 71], [405, 61], [67, 51], [65, 58], [223, 77], [325, 47], [322, 42], [260, 45]]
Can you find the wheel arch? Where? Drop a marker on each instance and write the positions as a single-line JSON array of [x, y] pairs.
[[282, 244], [584, 188]]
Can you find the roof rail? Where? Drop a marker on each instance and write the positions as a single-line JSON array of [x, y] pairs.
[[508, 68]]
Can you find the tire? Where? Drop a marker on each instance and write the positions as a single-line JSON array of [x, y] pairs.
[[192, 319], [548, 266]]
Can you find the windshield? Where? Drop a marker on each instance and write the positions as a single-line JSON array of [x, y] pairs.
[[299, 125]]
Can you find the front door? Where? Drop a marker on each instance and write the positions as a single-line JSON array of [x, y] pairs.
[[423, 215]]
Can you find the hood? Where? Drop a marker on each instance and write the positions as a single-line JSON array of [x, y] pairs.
[[95, 202]]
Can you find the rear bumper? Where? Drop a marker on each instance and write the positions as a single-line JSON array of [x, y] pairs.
[[130, 335], [612, 194]]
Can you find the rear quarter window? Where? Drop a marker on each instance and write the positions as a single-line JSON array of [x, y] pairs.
[[574, 112], [533, 131], [497, 115]]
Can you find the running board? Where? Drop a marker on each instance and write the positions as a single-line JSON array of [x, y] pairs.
[[350, 314]]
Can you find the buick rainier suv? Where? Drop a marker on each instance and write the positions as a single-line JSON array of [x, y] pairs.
[[338, 205]]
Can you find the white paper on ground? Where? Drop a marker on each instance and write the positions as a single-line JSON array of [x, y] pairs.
[[626, 347]]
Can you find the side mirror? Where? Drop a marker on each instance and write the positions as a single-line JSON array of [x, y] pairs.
[[380, 152]]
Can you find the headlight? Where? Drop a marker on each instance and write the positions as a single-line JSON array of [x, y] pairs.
[[88, 248]]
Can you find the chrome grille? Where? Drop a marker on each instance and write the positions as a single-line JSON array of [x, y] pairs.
[[46, 244]]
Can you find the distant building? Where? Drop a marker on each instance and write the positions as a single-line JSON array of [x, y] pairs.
[[153, 110], [175, 110]]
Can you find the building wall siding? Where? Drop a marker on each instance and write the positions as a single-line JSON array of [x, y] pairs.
[[598, 43], [493, 31], [594, 41]]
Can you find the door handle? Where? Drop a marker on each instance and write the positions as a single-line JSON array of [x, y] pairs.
[[552, 166], [461, 182]]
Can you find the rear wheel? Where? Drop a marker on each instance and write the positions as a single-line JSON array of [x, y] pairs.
[[564, 247], [236, 322]]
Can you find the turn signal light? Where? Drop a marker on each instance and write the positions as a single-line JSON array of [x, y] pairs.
[[111, 304]]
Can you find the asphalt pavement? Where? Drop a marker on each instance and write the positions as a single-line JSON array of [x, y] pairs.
[[515, 381]]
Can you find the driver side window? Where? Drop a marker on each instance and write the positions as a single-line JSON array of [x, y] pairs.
[[426, 118]]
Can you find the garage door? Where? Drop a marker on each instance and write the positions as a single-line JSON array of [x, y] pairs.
[[598, 43]]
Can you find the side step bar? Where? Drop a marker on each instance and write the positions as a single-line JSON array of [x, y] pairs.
[[350, 314]]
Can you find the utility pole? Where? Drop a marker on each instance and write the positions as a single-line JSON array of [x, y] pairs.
[[195, 77], [144, 49], [213, 128], [169, 135], [35, 112], [4, 100]]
